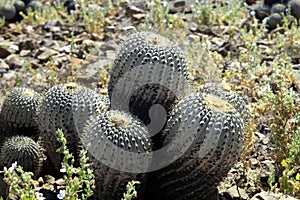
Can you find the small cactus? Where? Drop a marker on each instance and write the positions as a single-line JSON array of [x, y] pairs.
[[23, 150], [8, 11], [66, 107], [295, 9], [19, 112], [123, 132], [149, 69], [217, 125]]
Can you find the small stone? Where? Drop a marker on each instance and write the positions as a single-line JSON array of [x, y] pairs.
[[25, 53], [139, 16], [193, 26], [3, 65], [8, 76], [254, 161], [128, 28], [4, 52], [265, 140], [179, 3], [271, 196], [14, 61], [47, 54], [6, 49], [194, 38], [235, 193], [134, 9], [49, 179], [60, 181], [40, 180]]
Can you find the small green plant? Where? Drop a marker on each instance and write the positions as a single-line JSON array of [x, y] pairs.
[[76, 179], [2, 21], [159, 16], [203, 13], [131, 192], [20, 182], [290, 179]]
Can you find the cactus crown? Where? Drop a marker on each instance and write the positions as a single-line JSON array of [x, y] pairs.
[[152, 39], [120, 121], [217, 104]]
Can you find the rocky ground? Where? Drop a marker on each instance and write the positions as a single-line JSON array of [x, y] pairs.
[[39, 55]]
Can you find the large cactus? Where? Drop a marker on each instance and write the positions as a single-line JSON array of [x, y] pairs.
[[112, 168], [23, 150], [66, 107], [214, 123], [149, 69], [19, 111]]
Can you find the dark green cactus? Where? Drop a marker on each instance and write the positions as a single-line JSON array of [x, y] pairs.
[[23, 150], [150, 69], [19, 112], [67, 107], [124, 132], [8, 11], [295, 8], [215, 119]]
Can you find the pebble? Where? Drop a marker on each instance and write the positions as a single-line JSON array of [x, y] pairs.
[[25, 53], [14, 61], [179, 3], [236, 193], [271, 196], [3, 65], [46, 55]]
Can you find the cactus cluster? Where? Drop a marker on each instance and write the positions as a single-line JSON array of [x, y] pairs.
[[274, 11], [11, 9], [19, 130], [148, 70]]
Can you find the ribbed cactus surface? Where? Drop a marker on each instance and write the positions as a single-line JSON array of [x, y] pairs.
[[124, 132], [66, 107], [23, 150], [149, 69], [19, 112], [214, 129]]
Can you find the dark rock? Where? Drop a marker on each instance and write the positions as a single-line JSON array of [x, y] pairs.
[[179, 3]]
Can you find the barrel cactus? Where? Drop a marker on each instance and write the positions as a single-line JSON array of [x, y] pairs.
[[122, 131], [66, 107], [19, 112], [213, 123], [149, 69], [23, 150]]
